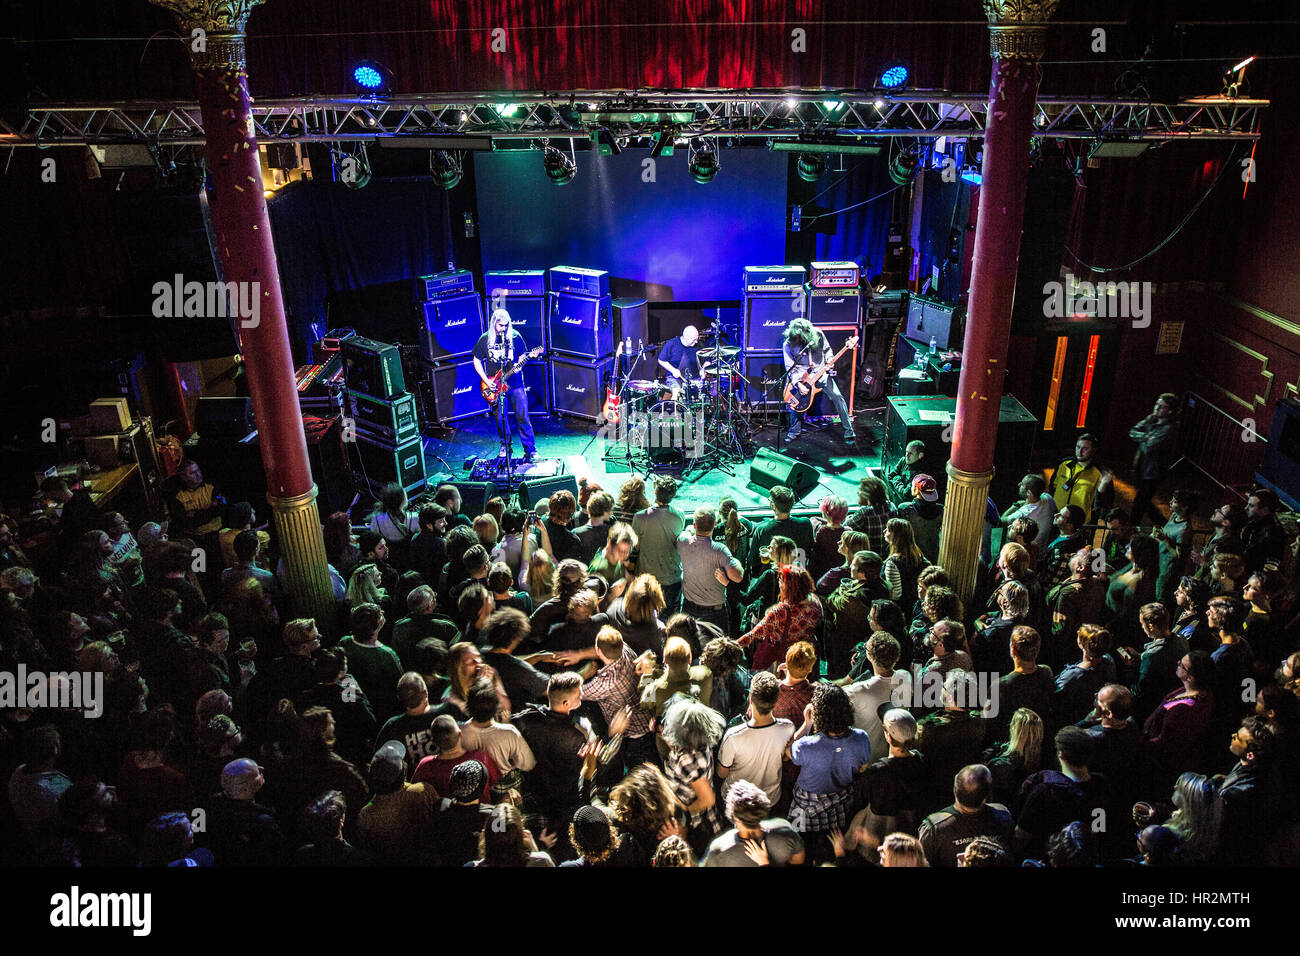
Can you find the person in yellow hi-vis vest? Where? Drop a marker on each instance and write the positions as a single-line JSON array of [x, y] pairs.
[[1081, 481]]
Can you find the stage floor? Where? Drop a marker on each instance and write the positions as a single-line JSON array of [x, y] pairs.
[[821, 446]]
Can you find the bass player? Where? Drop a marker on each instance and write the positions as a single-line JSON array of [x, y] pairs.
[[806, 347], [496, 350]]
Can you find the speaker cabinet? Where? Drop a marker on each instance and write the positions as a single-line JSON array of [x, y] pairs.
[[631, 320], [931, 319], [451, 392], [834, 307], [451, 327], [766, 316], [537, 489], [372, 368], [765, 377], [770, 469], [537, 385], [580, 325], [528, 318], [223, 418], [927, 419], [578, 386]]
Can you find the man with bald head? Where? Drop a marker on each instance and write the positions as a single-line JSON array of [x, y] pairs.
[[945, 834], [241, 831], [680, 356]]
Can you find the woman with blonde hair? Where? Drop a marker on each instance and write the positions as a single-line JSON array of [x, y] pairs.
[[1012, 762], [904, 561], [364, 587], [538, 577], [1196, 820], [636, 615], [488, 530], [464, 668], [902, 849], [765, 590]]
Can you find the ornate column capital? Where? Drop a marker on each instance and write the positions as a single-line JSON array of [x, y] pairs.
[[1017, 28], [222, 22]]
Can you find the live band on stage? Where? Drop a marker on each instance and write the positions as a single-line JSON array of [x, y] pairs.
[[556, 343]]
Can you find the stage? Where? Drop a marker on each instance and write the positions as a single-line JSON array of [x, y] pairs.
[[820, 445]]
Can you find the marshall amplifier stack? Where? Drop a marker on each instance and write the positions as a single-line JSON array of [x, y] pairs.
[[452, 323], [833, 294], [773, 295], [580, 337], [380, 419], [522, 293]]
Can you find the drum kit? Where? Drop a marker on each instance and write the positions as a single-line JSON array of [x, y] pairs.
[[694, 424]]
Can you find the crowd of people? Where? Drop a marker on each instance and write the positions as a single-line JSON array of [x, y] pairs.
[[607, 681]]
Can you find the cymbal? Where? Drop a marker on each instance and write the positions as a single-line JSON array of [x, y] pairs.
[[726, 351]]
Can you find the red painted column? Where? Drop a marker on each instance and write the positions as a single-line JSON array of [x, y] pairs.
[[1017, 30], [215, 29]]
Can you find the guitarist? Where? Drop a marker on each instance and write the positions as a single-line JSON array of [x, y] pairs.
[[497, 349], [806, 347]]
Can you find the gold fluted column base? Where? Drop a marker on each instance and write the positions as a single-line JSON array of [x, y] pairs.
[[962, 533], [298, 530]]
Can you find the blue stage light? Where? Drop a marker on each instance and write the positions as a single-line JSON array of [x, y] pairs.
[[894, 77], [368, 77]]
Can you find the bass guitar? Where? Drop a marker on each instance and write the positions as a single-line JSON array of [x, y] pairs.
[[803, 386], [609, 410], [496, 386]]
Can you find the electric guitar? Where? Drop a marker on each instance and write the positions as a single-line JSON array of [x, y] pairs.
[[803, 388], [496, 386], [609, 410]]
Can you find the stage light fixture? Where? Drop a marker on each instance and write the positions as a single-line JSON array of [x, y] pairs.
[[903, 164], [810, 166], [560, 168], [446, 168], [972, 175], [704, 164], [894, 77], [1234, 78], [370, 76], [353, 168]]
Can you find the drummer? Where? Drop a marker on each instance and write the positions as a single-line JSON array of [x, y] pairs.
[[680, 358]]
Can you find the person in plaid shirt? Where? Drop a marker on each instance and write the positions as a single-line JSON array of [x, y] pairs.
[[875, 511], [615, 688], [692, 730]]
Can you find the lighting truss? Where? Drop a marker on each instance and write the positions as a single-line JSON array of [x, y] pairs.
[[769, 114]]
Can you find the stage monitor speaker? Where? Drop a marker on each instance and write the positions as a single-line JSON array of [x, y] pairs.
[[451, 392], [926, 419], [578, 386], [765, 375], [223, 417], [474, 495], [770, 469], [765, 318], [535, 489], [631, 320], [451, 326]]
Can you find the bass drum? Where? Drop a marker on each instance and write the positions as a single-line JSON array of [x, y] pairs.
[[670, 432]]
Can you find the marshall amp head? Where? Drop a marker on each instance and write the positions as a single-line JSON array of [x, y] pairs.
[[834, 275], [452, 282], [579, 281], [514, 282], [579, 325], [775, 278], [451, 327]]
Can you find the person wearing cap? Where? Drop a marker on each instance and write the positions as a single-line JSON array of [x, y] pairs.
[[748, 808], [924, 514], [437, 769], [396, 827], [459, 821], [901, 472], [239, 830], [598, 843]]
